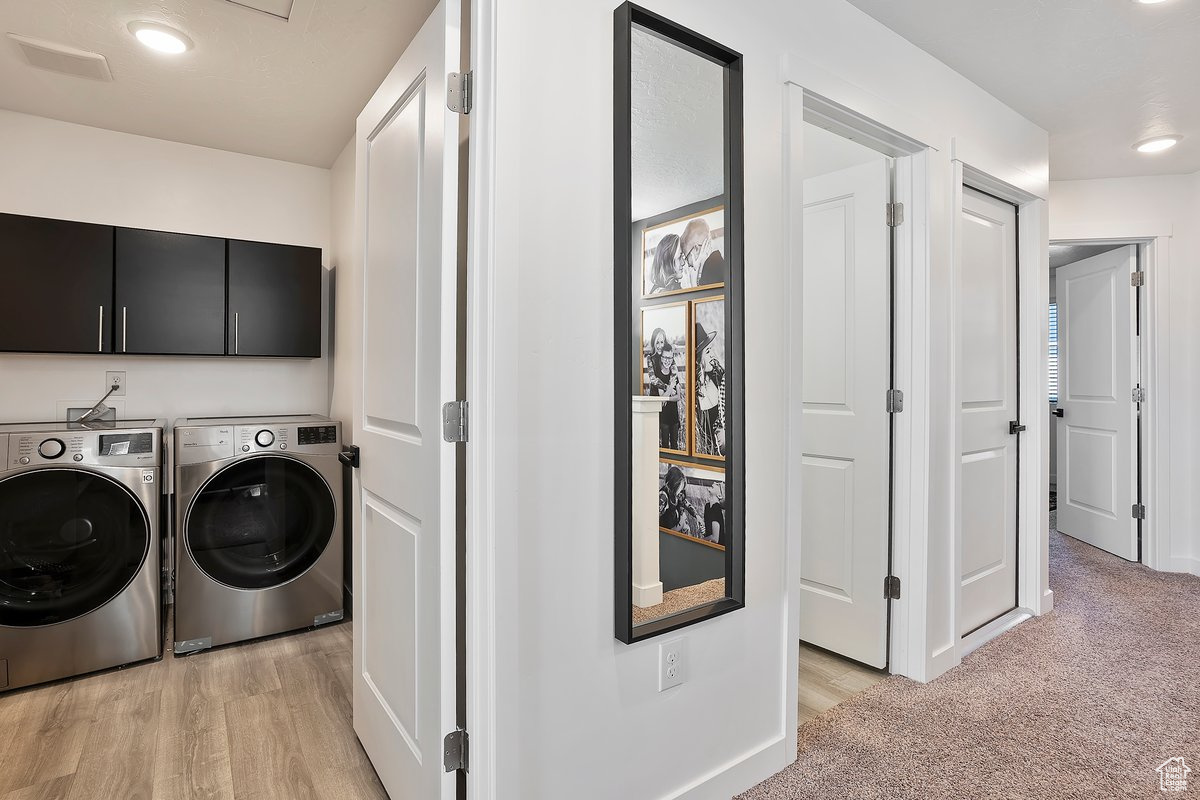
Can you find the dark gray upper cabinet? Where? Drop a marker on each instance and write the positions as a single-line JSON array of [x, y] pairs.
[[58, 279], [170, 293], [274, 300]]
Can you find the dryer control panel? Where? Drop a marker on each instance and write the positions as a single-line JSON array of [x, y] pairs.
[[115, 448], [195, 444]]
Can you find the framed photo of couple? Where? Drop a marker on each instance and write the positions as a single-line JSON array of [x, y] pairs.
[[684, 250], [691, 502]]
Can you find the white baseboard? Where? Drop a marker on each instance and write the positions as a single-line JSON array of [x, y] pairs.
[[740, 774], [1188, 564], [1047, 601], [648, 596]]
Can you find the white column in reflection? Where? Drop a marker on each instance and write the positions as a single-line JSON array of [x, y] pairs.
[[647, 587]]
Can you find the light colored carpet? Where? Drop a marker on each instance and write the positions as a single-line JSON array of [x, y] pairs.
[[681, 599], [1085, 702]]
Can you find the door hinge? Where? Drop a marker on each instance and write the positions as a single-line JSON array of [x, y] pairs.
[[1139, 394], [1015, 427], [891, 587], [895, 215], [458, 92], [456, 751], [454, 421], [1137, 279], [895, 401], [1139, 511]]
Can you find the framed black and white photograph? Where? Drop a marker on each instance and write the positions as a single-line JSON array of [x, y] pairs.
[[691, 502], [684, 254], [663, 361], [709, 384]]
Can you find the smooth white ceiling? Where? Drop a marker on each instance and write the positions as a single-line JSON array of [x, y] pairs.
[[1063, 254], [1099, 75], [254, 83], [678, 101]]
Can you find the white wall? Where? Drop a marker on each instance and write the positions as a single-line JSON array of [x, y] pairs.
[[56, 169], [1166, 204], [347, 292], [580, 715]]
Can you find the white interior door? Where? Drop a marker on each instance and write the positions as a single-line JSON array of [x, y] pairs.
[[846, 373], [988, 391], [404, 555], [1097, 374]]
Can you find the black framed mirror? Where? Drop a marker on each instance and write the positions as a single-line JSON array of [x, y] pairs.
[[679, 321]]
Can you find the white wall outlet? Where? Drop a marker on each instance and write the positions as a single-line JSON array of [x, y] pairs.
[[117, 379], [672, 663]]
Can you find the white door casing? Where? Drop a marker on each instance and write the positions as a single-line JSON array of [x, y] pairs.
[[846, 375], [404, 556], [988, 392], [1097, 375]]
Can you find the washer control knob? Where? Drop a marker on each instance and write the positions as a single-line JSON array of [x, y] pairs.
[[283, 447], [264, 438], [78, 456], [245, 448], [23, 459], [51, 448]]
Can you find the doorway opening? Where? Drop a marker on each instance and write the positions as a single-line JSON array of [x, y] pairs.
[[1097, 394], [848, 403]]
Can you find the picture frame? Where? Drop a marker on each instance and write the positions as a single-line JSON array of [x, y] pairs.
[[669, 239], [708, 388], [668, 326], [701, 517]]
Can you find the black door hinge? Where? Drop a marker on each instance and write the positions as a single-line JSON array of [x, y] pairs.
[[1139, 511], [351, 456], [891, 587], [457, 751]]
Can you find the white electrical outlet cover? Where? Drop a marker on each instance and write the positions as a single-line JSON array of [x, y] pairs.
[[672, 663]]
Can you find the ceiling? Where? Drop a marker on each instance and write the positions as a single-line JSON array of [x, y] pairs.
[[254, 83], [826, 152], [1063, 254], [677, 108], [1099, 75]]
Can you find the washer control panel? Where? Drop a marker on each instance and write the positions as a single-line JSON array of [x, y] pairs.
[[197, 442], [118, 448]]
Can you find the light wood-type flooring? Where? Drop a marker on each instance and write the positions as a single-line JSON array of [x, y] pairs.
[[827, 679], [260, 721]]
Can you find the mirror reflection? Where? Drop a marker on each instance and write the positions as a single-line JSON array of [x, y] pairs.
[[681, 528]]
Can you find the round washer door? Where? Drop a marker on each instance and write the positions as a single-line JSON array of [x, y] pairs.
[[260, 522], [70, 541]]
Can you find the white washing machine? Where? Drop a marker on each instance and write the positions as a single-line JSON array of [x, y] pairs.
[[79, 548], [258, 527]]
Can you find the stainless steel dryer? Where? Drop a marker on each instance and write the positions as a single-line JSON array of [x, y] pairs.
[[79, 548], [258, 528]]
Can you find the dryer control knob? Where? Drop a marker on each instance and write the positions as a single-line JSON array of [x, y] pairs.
[[23, 460], [264, 438], [52, 448], [245, 448]]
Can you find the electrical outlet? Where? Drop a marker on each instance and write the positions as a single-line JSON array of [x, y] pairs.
[[117, 379], [672, 663]]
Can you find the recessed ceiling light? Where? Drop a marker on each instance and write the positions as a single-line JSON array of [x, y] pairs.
[[1149, 2], [1157, 144], [162, 38]]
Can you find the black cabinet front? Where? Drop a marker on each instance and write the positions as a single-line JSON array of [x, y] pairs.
[[58, 279], [274, 300], [170, 293]]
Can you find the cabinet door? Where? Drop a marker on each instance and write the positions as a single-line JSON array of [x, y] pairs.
[[58, 279], [274, 300], [170, 297]]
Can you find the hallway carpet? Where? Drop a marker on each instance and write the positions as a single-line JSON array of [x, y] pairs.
[[1085, 702]]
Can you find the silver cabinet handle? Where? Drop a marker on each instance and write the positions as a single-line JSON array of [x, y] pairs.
[[100, 337], [235, 333], [124, 329]]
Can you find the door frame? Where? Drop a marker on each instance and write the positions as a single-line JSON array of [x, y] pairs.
[[1034, 596], [911, 259], [1153, 248]]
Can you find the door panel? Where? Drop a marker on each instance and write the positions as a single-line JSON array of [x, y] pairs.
[[846, 372], [170, 293], [404, 554], [1096, 479], [988, 393], [58, 278]]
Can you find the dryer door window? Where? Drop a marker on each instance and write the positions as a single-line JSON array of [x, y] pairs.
[[70, 541], [260, 522]]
